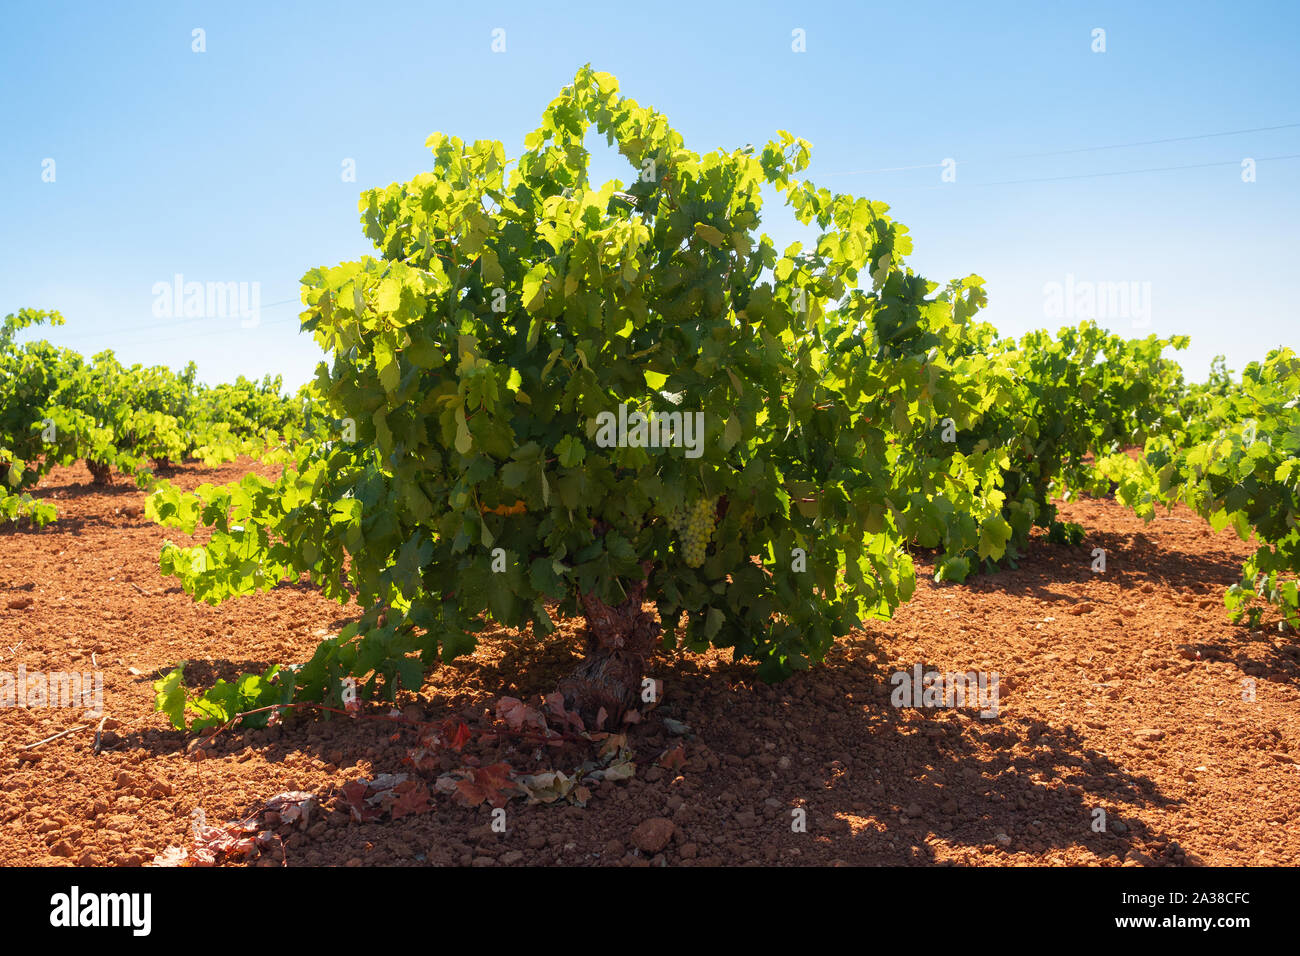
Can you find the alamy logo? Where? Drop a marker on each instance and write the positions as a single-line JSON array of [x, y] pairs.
[[922, 688], [53, 689], [73, 909], [208, 300], [657, 430], [1085, 299]]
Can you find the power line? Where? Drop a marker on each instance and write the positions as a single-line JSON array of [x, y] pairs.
[[1067, 152], [883, 169], [1117, 172], [1155, 142]]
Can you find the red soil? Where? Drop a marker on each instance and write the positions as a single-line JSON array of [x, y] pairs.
[[1120, 690]]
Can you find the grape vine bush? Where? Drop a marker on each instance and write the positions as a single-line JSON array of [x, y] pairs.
[[849, 410], [509, 307], [1024, 417], [1235, 462]]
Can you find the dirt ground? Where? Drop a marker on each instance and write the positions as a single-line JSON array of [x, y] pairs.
[[1120, 691]]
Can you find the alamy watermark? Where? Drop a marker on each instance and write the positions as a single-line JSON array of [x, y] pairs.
[[208, 300], [1085, 299], [929, 688], [39, 689], [76, 909], [635, 429]]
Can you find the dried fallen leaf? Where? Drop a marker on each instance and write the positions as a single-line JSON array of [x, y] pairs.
[[172, 856], [354, 797], [623, 769], [612, 744], [546, 787], [568, 719], [487, 783], [455, 734], [673, 759], [293, 806], [519, 715], [413, 798]]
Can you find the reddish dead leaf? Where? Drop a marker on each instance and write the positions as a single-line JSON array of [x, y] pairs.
[[231, 841], [173, 856], [246, 839], [455, 734], [202, 856], [487, 783], [451, 735], [354, 796], [239, 849], [422, 758], [568, 719], [673, 758], [413, 798], [519, 715], [293, 807]]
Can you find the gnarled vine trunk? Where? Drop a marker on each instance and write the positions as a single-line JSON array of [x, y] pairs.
[[99, 474], [619, 640]]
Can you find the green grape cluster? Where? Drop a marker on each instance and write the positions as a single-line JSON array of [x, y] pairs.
[[694, 526]]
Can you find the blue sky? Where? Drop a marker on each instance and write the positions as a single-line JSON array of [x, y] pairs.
[[225, 166]]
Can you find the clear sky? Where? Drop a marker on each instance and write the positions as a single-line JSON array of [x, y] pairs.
[[227, 165]]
